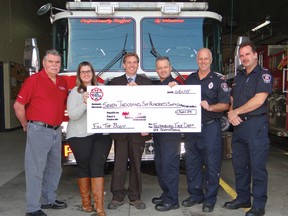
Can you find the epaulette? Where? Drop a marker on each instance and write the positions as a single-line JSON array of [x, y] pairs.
[[263, 68], [219, 75]]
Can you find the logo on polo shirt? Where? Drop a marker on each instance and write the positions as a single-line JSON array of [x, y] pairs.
[[62, 88]]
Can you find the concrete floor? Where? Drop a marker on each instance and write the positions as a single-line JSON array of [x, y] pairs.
[[12, 186]]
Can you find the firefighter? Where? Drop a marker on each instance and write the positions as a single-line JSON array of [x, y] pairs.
[[167, 151], [250, 142], [205, 148]]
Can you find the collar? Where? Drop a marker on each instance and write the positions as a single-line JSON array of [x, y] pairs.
[[209, 75], [256, 69], [133, 77], [167, 80]]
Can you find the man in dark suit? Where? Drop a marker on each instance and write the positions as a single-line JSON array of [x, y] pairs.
[[128, 146]]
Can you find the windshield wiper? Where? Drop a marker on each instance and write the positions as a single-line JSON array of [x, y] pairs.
[[115, 59], [154, 52]]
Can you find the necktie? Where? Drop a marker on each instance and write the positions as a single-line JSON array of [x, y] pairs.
[[130, 79]]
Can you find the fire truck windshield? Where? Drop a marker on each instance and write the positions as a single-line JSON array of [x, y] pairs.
[[179, 39], [100, 40]]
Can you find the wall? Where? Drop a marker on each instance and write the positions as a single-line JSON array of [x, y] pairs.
[[13, 78], [20, 21]]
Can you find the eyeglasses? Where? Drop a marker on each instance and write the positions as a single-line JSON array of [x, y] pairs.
[[86, 72]]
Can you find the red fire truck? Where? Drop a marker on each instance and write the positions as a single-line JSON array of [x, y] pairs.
[[102, 32], [275, 58]]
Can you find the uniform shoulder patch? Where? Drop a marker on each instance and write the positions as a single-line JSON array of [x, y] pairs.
[[225, 87], [266, 78]]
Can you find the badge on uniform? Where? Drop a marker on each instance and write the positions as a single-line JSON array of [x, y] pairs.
[[266, 78], [224, 86], [210, 86]]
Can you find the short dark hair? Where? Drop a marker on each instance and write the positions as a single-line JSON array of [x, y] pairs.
[[130, 54], [248, 43], [160, 58]]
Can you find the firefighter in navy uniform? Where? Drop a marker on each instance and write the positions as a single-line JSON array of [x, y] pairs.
[[250, 142], [205, 148], [167, 151]]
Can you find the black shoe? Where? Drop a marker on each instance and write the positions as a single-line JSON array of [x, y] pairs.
[[190, 202], [166, 206], [36, 213], [255, 212], [55, 205], [208, 207], [235, 204], [157, 200]]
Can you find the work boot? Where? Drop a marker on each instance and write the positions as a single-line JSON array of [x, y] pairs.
[[98, 195], [84, 185]]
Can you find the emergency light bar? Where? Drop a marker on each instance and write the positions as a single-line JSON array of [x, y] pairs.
[[168, 7], [104, 9]]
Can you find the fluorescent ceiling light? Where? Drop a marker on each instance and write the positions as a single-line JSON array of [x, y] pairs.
[[267, 22]]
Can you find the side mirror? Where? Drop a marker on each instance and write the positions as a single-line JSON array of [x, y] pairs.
[[31, 56], [44, 9]]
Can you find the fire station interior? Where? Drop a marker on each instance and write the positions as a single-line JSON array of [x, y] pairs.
[[239, 18]]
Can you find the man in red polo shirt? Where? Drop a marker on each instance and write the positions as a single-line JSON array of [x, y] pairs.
[[39, 107]]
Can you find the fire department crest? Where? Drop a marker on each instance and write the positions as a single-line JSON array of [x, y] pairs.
[[266, 78], [96, 94], [224, 86]]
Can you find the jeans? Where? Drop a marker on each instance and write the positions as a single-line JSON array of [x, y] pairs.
[[42, 165]]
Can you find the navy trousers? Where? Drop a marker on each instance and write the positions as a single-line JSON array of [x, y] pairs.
[[250, 146], [167, 159], [204, 150]]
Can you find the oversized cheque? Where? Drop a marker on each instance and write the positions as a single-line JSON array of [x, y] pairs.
[[122, 109]]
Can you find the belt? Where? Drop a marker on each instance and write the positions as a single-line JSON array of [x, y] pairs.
[[44, 124], [248, 117], [209, 122]]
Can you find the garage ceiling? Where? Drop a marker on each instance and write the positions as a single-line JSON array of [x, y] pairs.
[[239, 17]]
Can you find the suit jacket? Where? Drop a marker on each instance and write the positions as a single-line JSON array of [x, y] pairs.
[[133, 137]]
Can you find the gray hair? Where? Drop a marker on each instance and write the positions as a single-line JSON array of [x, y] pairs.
[[52, 52], [206, 49]]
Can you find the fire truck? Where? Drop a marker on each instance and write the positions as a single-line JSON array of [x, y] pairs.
[[275, 58], [102, 32]]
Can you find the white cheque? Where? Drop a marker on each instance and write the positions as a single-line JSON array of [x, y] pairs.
[[145, 108]]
